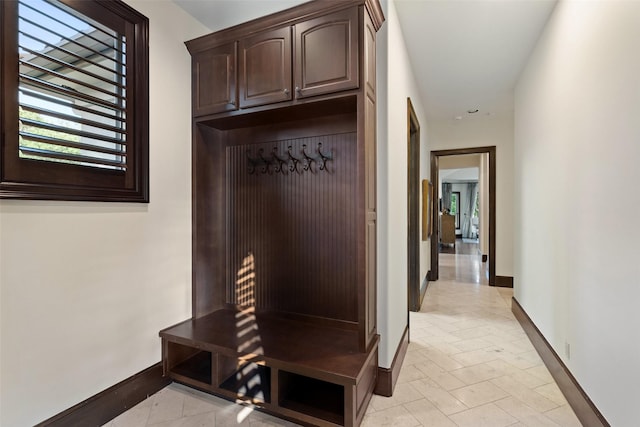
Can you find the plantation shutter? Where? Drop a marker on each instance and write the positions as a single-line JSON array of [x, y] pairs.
[[72, 87]]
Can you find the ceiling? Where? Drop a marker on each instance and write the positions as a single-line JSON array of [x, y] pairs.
[[466, 54], [219, 14], [457, 175]]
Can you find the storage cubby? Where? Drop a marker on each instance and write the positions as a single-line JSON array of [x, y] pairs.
[[312, 396], [247, 380], [190, 363], [284, 215], [314, 369]]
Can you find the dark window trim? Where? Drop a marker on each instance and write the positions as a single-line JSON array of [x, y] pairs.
[[31, 179]]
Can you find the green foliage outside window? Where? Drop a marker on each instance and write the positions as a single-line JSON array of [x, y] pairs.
[[45, 133], [453, 210]]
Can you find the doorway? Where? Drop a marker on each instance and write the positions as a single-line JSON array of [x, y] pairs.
[[435, 173], [416, 293]]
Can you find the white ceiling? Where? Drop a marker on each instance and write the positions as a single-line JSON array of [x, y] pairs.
[[466, 54], [456, 175], [219, 14]]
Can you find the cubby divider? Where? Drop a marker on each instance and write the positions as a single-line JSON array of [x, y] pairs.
[[250, 381]]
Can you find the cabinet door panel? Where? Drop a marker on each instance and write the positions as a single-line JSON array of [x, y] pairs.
[[265, 68], [214, 80], [327, 54]]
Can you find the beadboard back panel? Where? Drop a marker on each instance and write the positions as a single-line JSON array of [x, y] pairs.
[[291, 226]]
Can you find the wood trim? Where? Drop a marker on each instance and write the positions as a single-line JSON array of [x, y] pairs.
[[108, 404], [492, 215], [435, 211], [504, 281], [29, 179], [425, 226], [423, 287], [388, 377], [584, 408], [413, 207], [491, 150], [375, 12], [287, 17]]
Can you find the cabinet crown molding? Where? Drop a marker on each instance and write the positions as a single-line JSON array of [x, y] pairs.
[[289, 16]]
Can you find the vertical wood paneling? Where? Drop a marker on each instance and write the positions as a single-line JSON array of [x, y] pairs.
[[369, 58], [208, 275], [300, 227], [369, 291]]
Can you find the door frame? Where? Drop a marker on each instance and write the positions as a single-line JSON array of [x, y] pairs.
[[415, 293], [435, 172]]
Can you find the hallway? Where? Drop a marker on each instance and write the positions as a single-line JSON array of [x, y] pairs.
[[463, 263], [468, 364]]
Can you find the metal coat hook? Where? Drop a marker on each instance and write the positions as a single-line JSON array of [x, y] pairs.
[[252, 163], [281, 165], [324, 157], [308, 159], [266, 162], [271, 162], [293, 167]]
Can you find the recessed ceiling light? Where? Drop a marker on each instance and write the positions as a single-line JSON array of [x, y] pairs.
[[473, 111], [458, 117]]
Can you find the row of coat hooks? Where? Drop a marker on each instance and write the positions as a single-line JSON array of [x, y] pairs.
[[273, 162]]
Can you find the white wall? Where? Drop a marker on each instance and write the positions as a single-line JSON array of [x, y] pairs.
[[461, 161], [577, 149], [396, 82], [85, 287], [481, 132]]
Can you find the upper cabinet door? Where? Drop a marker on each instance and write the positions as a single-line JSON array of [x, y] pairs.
[[214, 80], [327, 54], [265, 68]]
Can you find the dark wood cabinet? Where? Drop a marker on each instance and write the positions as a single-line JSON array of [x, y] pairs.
[[369, 92], [284, 215], [265, 68], [214, 80], [327, 54], [324, 60]]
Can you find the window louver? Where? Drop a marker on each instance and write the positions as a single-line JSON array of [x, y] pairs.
[[72, 87]]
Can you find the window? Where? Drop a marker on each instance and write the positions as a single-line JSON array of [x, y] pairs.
[[476, 208], [75, 103], [455, 207]]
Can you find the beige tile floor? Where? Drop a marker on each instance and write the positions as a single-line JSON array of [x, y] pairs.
[[468, 364]]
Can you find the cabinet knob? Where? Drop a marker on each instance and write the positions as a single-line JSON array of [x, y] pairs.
[[286, 91], [298, 89], [232, 102]]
